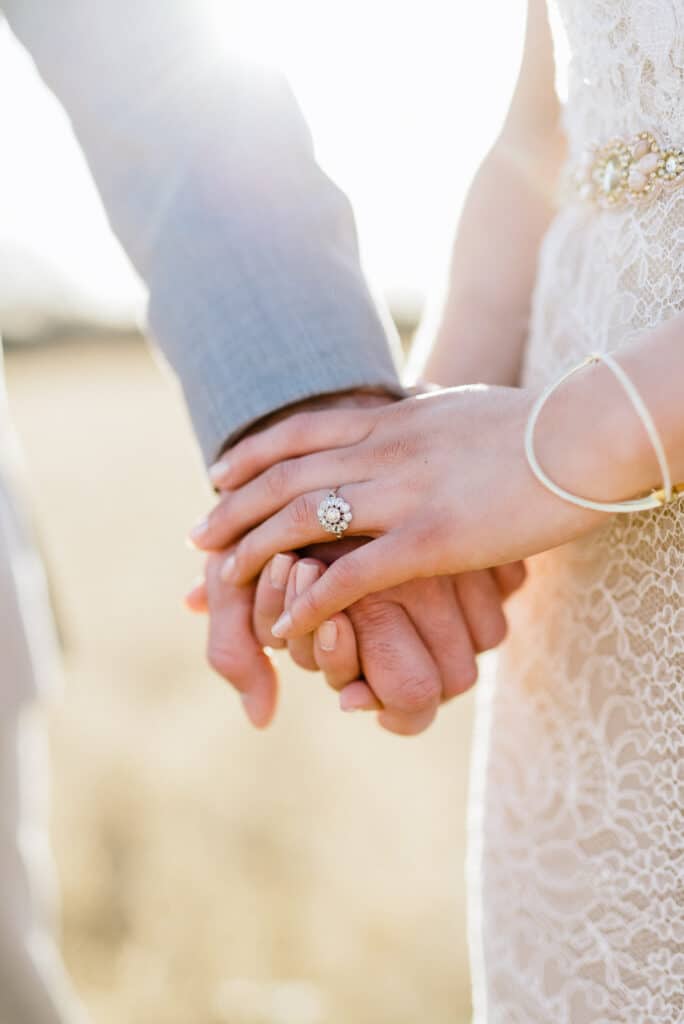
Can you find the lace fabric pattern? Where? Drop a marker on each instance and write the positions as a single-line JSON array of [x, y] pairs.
[[576, 861]]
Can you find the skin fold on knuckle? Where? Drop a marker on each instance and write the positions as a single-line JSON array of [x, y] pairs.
[[307, 607], [392, 449], [278, 479], [430, 536], [343, 576], [378, 624], [374, 616], [302, 512], [251, 556], [415, 692]]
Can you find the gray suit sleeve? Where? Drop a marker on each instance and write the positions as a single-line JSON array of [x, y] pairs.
[[207, 172]]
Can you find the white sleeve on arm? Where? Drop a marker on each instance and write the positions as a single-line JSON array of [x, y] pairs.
[[207, 172]]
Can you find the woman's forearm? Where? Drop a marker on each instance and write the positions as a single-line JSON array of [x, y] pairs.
[[485, 320]]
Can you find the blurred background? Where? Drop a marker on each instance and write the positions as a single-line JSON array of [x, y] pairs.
[[313, 874]]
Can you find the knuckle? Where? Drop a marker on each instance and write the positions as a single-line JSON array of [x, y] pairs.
[[310, 602], [336, 672], [343, 575], [300, 511], [374, 615], [277, 478], [416, 692], [433, 529], [392, 449]]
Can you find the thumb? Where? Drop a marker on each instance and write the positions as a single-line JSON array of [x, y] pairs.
[[385, 562]]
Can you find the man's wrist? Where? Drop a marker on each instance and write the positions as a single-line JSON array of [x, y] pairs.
[[355, 398]]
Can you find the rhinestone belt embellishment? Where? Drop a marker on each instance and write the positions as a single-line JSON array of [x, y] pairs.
[[628, 173]]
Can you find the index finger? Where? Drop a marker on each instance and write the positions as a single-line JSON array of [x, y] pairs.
[[299, 434]]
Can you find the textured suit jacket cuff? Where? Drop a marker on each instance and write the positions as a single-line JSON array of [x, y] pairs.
[[240, 388]]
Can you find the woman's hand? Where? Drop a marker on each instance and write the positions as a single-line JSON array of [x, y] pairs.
[[440, 482]]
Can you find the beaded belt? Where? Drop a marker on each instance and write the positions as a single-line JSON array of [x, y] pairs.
[[629, 172]]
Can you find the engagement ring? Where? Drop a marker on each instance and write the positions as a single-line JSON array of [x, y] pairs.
[[334, 514]]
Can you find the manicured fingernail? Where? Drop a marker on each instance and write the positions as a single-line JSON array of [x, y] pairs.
[[227, 568], [305, 574], [327, 635], [219, 472], [283, 625], [198, 531], [280, 571]]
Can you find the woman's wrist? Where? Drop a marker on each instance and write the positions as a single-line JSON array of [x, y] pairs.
[[656, 367], [591, 440]]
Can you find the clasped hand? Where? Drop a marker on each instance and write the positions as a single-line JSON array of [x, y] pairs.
[[439, 490]]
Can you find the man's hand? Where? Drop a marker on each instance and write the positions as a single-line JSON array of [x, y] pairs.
[[233, 649], [401, 652], [416, 643]]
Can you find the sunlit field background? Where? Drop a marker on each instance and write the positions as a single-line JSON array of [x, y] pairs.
[[312, 874], [213, 875]]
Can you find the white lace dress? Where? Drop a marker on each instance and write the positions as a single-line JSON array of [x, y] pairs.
[[576, 862]]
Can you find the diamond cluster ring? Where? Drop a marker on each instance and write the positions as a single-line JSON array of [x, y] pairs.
[[334, 514]]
